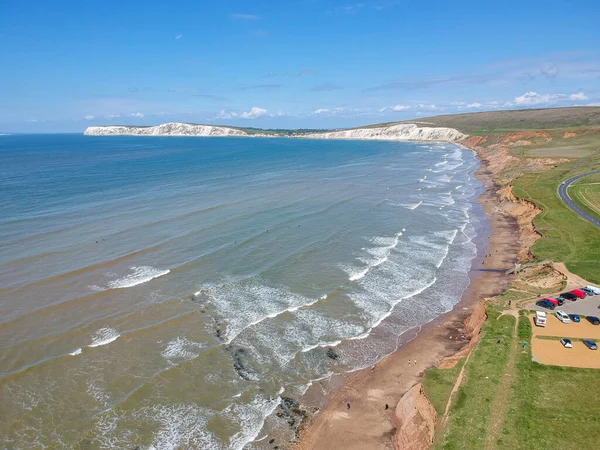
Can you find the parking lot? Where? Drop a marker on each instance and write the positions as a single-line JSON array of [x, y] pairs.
[[551, 351], [587, 306], [554, 327]]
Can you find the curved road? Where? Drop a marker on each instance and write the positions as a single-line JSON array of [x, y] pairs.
[[564, 196]]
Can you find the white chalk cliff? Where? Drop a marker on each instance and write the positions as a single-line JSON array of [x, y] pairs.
[[166, 129], [400, 132]]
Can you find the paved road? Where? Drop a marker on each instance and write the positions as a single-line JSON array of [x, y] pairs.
[[564, 196]]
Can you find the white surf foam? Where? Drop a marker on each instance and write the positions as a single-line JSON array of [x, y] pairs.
[[104, 336], [76, 352], [181, 348], [415, 206], [139, 275]]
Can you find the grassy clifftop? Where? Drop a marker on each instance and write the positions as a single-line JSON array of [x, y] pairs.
[[500, 122]]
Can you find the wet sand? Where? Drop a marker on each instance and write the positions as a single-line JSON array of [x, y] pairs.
[[367, 424]]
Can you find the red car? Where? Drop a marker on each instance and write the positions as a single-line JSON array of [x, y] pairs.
[[554, 301], [579, 293]]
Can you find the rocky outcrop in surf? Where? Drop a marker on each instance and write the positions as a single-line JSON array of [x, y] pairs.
[[166, 129], [399, 132]]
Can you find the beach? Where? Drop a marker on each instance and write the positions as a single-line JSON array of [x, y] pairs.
[[367, 423]]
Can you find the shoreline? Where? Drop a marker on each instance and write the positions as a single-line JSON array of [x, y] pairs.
[[367, 424]]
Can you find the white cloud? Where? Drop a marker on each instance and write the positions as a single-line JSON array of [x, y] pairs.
[[321, 111], [396, 108], [89, 117], [253, 113], [578, 96], [427, 107], [179, 36], [113, 116], [244, 16], [226, 115], [533, 98], [138, 114], [474, 105]]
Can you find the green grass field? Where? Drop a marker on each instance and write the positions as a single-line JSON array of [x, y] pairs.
[[472, 407], [438, 384], [567, 237], [546, 407], [586, 143], [586, 193], [550, 407]]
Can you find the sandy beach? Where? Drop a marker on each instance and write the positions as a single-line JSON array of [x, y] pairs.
[[355, 414]]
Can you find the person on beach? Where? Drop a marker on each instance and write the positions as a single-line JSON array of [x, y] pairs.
[[372, 367], [348, 405]]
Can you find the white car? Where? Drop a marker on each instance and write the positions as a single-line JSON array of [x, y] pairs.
[[566, 343], [593, 289], [562, 316]]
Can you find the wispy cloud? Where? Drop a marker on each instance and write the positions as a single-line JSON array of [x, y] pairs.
[[395, 108], [254, 113], [261, 87], [138, 115], [533, 98], [89, 117], [178, 36], [299, 73], [327, 87], [244, 16], [112, 116]]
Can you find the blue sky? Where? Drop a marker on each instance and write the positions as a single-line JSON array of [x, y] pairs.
[[289, 64]]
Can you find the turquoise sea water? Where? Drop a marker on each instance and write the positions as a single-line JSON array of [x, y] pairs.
[[164, 292]]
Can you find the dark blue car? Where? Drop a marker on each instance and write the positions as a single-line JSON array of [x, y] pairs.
[[593, 320], [590, 344], [546, 304], [575, 318]]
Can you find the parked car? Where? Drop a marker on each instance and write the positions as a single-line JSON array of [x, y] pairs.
[[554, 301], [575, 318], [590, 344], [569, 296], [546, 304], [566, 343], [593, 288], [562, 316], [588, 291], [579, 293], [593, 320], [540, 318]]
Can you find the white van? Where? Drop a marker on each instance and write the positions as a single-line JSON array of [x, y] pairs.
[[593, 288], [540, 318], [562, 316]]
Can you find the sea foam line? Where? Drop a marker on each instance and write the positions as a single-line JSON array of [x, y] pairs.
[[140, 275]]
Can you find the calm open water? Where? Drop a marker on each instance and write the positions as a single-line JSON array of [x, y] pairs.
[[184, 292]]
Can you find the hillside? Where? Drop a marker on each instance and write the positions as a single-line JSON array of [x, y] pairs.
[[493, 122]]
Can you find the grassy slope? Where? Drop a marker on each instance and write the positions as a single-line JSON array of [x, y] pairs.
[[567, 237], [472, 407], [501, 122], [438, 384], [546, 403], [550, 407]]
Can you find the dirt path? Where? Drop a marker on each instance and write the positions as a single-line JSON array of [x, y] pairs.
[[457, 384], [503, 392]]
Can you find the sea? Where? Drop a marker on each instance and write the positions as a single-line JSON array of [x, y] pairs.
[[184, 292]]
